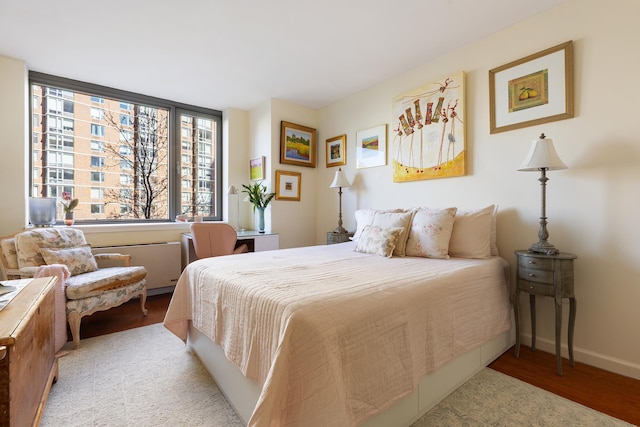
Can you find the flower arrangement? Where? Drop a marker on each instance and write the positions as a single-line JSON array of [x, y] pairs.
[[68, 204], [257, 195]]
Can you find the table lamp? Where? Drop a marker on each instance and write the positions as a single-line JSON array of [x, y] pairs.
[[543, 157], [339, 181]]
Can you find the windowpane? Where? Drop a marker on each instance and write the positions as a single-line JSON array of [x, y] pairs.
[[121, 145]]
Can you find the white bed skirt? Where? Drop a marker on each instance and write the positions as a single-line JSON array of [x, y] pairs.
[[243, 393]]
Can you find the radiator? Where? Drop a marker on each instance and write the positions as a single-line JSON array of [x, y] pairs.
[[162, 261]]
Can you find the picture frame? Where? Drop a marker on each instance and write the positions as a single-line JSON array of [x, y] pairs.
[[297, 145], [533, 90], [371, 147], [256, 168], [429, 131], [337, 151], [288, 185]]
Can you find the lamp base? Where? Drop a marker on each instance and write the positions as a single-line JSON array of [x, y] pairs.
[[543, 247], [339, 230]]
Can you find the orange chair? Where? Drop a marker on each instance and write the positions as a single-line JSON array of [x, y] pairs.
[[215, 239]]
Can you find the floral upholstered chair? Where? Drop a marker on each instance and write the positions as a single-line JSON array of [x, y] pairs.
[[90, 288]]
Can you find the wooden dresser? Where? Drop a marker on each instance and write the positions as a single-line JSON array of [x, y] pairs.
[[28, 365]]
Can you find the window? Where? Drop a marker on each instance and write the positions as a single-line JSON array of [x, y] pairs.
[[97, 113], [97, 145], [97, 176], [115, 147], [97, 130], [97, 162], [97, 193], [125, 120], [125, 150]]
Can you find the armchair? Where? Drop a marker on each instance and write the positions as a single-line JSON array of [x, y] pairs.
[[90, 288]]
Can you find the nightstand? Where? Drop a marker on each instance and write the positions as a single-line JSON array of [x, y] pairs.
[[547, 275], [338, 237]]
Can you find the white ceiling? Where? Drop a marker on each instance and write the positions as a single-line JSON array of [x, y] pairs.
[[240, 53]]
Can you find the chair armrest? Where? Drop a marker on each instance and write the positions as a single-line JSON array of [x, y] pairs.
[[125, 258], [24, 272]]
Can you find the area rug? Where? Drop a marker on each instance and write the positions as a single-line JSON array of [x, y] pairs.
[[147, 377]]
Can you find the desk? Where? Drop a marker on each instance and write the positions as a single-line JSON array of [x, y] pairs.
[[547, 275], [255, 240]]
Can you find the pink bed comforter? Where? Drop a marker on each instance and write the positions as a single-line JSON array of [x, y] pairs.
[[334, 336]]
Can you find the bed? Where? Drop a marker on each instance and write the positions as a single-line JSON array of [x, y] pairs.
[[328, 335]]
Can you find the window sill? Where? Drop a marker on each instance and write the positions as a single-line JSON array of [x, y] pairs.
[[116, 228]]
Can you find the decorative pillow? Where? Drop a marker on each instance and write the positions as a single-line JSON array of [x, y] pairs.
[[430, 233], [471, 236], [378, 241], [28, 243], [387, 219], [79, 259], [364, 217]]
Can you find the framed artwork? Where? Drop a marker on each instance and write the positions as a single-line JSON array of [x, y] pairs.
[[429, 131], [337, 151], [297, 145], [288, 185], [371, 147], [256, 168], [532, 90]]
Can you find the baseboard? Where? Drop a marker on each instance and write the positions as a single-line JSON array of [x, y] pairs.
[[598, 360]]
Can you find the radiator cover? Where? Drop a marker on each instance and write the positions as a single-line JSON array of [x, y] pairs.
[[162, 261]]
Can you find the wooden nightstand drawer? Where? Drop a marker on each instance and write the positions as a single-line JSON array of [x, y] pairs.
[[534, 275], [536, 288], [535, 263]]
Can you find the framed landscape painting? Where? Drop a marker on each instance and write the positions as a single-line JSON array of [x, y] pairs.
[[297, 145], [256, 168], [371, 147]]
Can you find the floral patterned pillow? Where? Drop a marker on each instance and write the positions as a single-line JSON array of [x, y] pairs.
[[378, 241], [79, 259], [430, 233]]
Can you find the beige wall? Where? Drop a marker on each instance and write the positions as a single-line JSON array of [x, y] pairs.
[[592, 206]]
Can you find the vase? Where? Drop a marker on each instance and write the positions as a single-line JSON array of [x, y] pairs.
[[260, 220], [42, 211], [68, 218]]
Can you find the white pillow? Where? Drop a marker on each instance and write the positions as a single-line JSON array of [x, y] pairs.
[[378, 241], [364, 217], [385, 219], [471, 236], [430, 233]]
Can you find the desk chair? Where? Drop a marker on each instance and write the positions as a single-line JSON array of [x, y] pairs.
[[215, 239]]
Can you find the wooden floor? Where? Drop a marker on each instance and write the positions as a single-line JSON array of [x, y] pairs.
[[604, 391]]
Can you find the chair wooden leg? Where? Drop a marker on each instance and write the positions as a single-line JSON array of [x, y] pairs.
[[74, 324], [143, 300]]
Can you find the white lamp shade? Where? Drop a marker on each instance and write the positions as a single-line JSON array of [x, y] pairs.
[[542, 155], [340, 180]]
